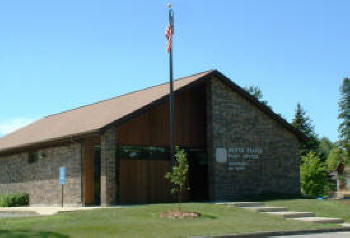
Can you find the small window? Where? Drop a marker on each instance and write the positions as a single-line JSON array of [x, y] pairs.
[[33, 157], [155, 153], [130, 152], [143, 152]]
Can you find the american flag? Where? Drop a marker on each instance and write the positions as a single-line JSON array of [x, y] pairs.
[[169, 32]]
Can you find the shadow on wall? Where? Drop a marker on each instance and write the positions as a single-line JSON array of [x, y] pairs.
[[24, 234]]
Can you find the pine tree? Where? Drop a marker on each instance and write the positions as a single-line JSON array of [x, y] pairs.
[[344, 115], [324, 148], [303, 123]]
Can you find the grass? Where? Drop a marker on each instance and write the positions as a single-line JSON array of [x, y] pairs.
[[144, 221], [327, 208]]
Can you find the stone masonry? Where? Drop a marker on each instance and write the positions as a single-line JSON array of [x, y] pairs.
[[108, 168], [40, 179], [249, 152]]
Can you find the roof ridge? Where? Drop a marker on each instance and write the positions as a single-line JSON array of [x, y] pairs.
[[139, 90]]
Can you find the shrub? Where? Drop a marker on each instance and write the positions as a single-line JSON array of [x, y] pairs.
[[179, 174], [14, 200], [313, 175]]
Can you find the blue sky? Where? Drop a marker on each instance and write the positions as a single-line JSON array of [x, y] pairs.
[[57, 55]]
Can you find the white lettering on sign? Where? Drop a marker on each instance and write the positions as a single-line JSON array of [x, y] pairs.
[[248, 153], [250, 157], [238, 157], [236, 150], [237, 163]]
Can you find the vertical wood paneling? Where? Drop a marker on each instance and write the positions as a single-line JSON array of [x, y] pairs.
[[142, 181], [152, 127], [88, 173], [158, 185]]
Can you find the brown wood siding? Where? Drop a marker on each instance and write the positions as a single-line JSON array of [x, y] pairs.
[[142, 181], [152, 127], [88, 174]]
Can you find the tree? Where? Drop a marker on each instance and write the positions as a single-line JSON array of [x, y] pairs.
[[336, 155], [344, 115], [303, 123], [256, 92], [324, 148], [179, 174], [313, 175]]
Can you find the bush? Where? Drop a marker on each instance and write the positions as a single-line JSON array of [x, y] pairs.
[[179, 174], [313, 175], [14, 200]]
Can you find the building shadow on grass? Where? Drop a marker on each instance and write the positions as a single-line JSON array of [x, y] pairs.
[[25, 234], [208, 216]]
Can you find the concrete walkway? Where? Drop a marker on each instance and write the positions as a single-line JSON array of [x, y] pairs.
[[42, 211], [283, 212], [321, 235]]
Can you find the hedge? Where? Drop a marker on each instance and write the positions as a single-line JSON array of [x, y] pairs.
[[14, 200]]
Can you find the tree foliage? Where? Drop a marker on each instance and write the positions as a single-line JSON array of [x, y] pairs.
[[325, 147], [344, 115], [336, 156], [313, 175], [256, 92], [303, 123], [179, 174]]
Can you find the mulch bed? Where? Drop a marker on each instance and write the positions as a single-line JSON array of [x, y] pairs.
[[179, 214]]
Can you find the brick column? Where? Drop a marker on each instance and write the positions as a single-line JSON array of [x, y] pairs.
[[108, 167], [210, 145]]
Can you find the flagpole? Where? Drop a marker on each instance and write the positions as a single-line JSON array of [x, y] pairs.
[[171, 95]]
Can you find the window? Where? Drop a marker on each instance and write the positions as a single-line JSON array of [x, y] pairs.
[[130, 152], [158, 153], [143, 152], [33, 157]]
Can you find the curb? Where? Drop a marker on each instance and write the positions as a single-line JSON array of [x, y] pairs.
[[276, 233]]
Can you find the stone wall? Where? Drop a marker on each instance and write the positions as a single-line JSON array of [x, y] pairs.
[[108, 167], [249, 152], [40, 179]]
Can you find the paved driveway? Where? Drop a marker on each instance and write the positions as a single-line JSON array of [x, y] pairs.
[[320, 235]]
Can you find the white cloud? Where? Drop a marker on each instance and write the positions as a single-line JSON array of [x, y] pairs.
[[9, 126]]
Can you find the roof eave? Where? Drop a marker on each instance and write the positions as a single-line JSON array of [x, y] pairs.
[[50, 142]]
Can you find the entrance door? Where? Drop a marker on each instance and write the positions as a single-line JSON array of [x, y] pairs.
[[92, 173], [198, 174], [97, 176]]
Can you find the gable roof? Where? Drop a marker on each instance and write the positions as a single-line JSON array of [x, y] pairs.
[[96, 117]]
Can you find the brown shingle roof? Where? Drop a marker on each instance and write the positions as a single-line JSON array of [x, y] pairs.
[[90, 118], [95, 117]]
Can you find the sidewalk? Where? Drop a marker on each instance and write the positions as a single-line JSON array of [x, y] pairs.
[[46, 211]]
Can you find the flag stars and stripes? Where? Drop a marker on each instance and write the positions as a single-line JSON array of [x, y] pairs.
[[169, 35]]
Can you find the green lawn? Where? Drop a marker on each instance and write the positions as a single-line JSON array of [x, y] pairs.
[[144, 221], [328, 208]]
